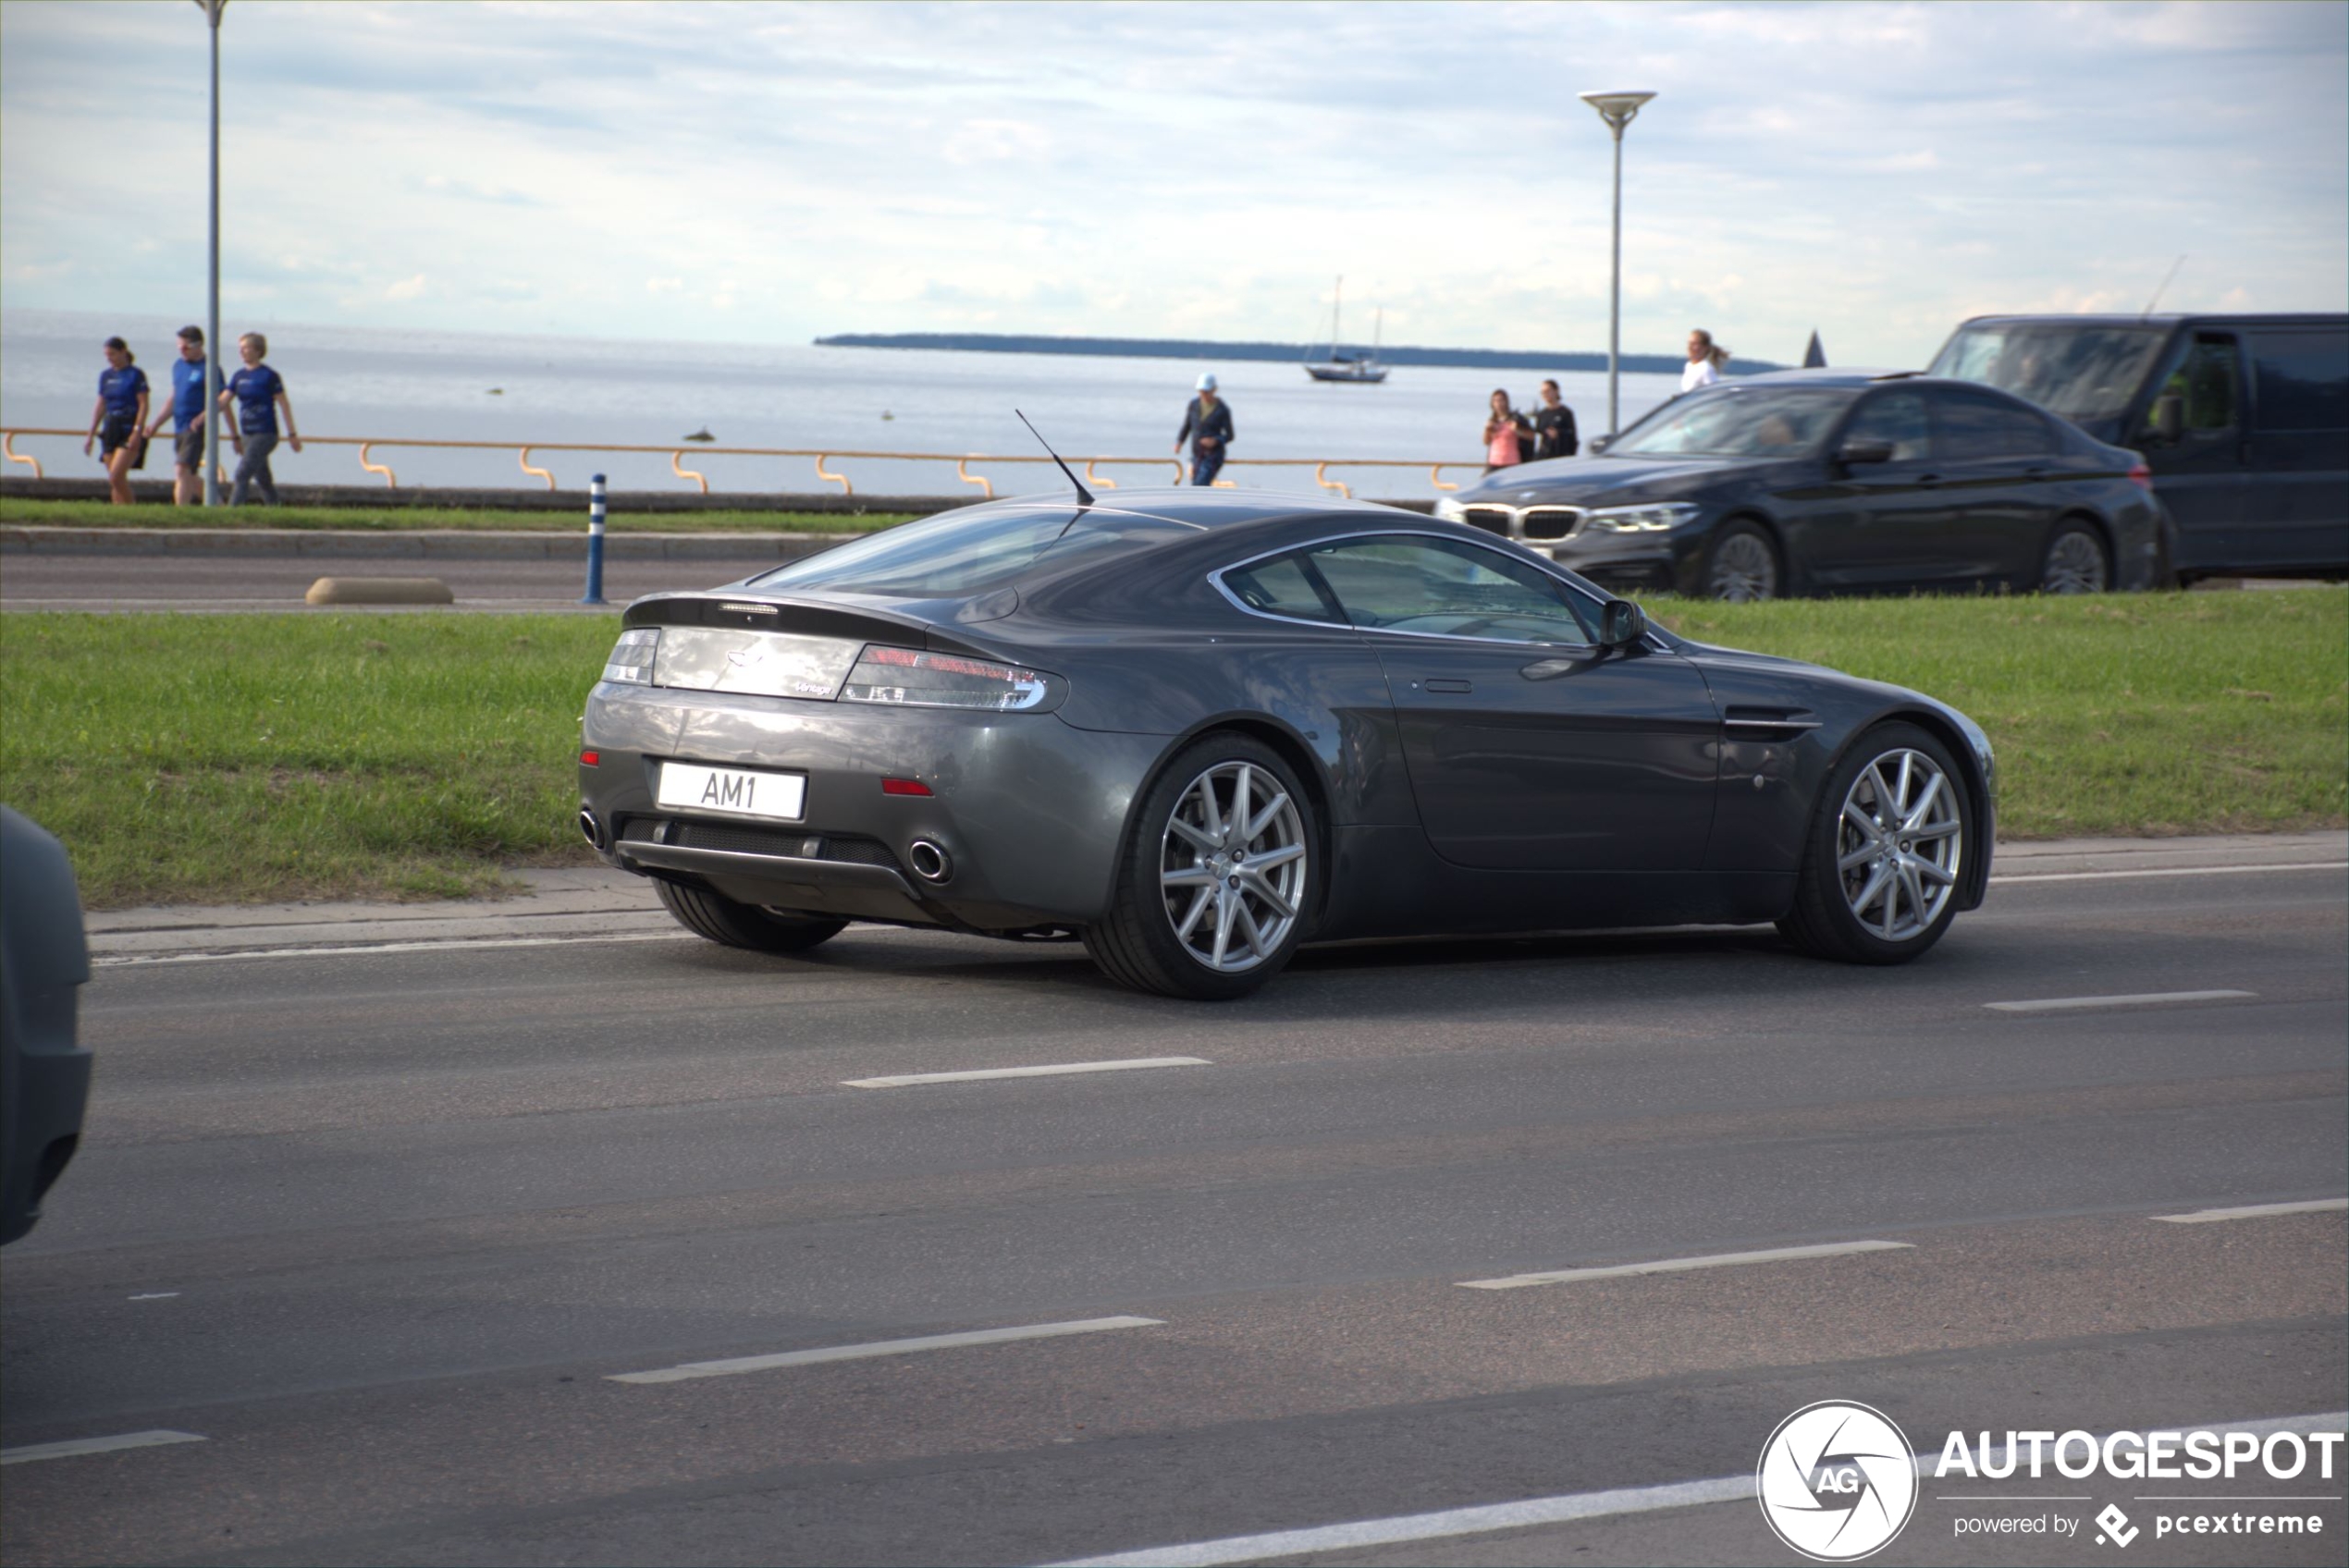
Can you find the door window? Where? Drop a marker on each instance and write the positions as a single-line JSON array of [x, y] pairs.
[[2304, 379], [1970, 427], [1899, 420], [2202, 373], [1438, 587], [1282, 587]]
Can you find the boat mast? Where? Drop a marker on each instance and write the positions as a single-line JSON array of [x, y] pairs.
[[1337, 303]]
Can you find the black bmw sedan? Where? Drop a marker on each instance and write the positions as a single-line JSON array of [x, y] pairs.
[[1837, 482], [1196, 728]]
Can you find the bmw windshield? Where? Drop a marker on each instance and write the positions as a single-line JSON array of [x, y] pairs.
[[1739, 421]]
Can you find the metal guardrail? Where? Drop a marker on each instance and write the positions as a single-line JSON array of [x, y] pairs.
[[823, 456]]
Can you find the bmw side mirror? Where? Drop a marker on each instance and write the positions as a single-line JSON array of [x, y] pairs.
[[2170, 416], [1598, 444], [1852, 453], [1622, 623]]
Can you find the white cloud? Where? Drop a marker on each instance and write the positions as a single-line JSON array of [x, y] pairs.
[[406, 288]]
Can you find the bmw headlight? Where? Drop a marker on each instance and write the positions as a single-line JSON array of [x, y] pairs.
[[632, 657], [1641, 520]]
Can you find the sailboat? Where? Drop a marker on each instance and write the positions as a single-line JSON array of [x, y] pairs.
[[1341, 365]]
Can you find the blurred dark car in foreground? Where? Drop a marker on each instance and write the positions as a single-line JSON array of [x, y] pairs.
[[1197, 727], [2243, 420], [1837, 481], [44, 1077]]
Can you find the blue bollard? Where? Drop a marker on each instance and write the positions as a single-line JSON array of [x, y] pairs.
[[595, 542]]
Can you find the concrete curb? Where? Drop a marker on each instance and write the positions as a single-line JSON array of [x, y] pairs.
[[426, 543], [587, 902]]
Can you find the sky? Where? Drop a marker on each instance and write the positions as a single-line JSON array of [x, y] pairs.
[[766, 172]]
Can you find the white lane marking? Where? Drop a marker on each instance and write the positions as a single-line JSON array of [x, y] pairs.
[[1678, 1264], [2171, 871], [1129, 1064], [358, 949], [154, 1295], [2142, 999], [31, 1452], [2253, 1211], [881, 1347], [1536, 1511]]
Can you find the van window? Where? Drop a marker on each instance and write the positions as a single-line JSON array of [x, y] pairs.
[[2202, 373], [1969, 426], [2304, 379], [2083, 372]]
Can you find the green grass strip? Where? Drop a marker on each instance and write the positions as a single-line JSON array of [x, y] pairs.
[[22, 512], [226, 758]]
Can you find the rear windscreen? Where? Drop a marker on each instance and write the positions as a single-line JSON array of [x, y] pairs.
[[2085, 373], [956, 555]]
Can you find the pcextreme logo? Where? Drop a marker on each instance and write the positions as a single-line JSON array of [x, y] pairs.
[[1837, 1481]]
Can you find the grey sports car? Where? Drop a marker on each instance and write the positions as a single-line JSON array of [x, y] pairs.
[[1196, 729]]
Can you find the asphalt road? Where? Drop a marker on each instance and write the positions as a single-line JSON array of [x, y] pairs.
[[225, 583], [382, 1229]]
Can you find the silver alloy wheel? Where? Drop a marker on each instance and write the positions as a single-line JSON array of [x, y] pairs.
[[2075, 564], [1744, 569], [1232, 867], [1899, 845]]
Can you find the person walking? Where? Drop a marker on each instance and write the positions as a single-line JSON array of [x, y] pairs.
[[258, 393], [1502, 429], [1554, 425], [118, 420], [188, 372], [1207, 425], [1705, 359]]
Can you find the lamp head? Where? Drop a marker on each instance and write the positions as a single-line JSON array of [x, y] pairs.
[[1619, 109]]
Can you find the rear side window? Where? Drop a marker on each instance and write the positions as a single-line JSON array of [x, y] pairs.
[[1281, 587], [1898, 419], [2302, 379], [1973, 427]]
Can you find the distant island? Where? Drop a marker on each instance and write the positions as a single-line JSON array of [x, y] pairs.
[[1201, 349]]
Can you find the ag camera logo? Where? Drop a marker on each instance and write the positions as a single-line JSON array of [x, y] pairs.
[[1837, 1481]]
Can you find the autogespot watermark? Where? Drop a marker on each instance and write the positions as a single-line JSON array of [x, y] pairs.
[[1837, 1481]]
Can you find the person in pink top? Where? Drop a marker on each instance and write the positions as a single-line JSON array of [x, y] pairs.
[[1502, 433]]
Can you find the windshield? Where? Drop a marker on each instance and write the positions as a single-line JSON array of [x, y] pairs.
[[1738, 422], [950, 556], [2085, 373]]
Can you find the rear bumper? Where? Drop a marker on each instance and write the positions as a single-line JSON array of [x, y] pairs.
[[1028, 812]]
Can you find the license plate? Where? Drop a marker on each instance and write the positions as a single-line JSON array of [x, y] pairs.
[[686, 786]]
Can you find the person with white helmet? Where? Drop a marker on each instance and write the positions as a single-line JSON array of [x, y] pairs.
[[1207, 425]]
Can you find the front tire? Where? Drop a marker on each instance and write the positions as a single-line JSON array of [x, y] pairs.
[[721, 920], [1217, 875], [1743, 566], [1888, 852]]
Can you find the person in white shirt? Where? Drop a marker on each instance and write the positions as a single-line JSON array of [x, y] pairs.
[[1705, 359]]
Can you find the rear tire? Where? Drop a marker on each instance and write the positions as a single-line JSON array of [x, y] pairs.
[[721, 920], [1888, 849], [1217, 875], [2076, 561], [1743, 565]]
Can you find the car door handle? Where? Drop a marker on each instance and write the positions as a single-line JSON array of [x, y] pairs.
[[1447, 686], [1927, 481]]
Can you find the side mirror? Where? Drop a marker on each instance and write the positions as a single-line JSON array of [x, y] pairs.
[[1622, 623], [1852, 453], [1598, 444], [2170, 416]]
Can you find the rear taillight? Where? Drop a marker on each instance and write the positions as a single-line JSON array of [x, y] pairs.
[[632, 657], [591, 759], [912, 679], [2142, 477]]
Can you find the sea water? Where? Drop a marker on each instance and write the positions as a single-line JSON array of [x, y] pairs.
[[388, 386]]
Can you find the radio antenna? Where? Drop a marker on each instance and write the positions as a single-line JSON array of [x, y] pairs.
[[1084, 496], [2164, 289]]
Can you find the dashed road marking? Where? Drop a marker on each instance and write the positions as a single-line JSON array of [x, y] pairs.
[[742, 1364], [1131, 1064], [31, 1452], [2142, 999], [2253, 1211], [1680, 1265], [364, 950]]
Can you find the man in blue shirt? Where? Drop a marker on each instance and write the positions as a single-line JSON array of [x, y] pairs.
[[257, 393], [188, 374]]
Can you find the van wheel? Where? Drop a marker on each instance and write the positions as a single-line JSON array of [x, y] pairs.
[[730, 925], [2075, 561]]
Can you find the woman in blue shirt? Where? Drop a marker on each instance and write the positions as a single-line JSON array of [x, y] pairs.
[[119, 419], [257, 393]]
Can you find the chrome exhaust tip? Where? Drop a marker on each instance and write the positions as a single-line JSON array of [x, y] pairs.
[[931, 863], [592, 829]]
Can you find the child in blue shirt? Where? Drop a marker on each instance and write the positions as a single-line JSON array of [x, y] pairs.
[[257, 393], [118, 418]]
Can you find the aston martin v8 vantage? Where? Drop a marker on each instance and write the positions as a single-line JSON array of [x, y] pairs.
[[1198, 728]]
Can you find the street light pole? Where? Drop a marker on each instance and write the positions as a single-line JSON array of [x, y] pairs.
[[1619, 109], [211, 469]]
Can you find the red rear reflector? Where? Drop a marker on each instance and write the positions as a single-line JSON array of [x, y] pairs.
[[2142, 477], [904, 786], [591, 759]]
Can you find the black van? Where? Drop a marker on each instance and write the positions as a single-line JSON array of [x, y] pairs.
[[2243, 420]]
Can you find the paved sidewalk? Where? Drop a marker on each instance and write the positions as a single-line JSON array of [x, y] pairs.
[[597, 902]]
